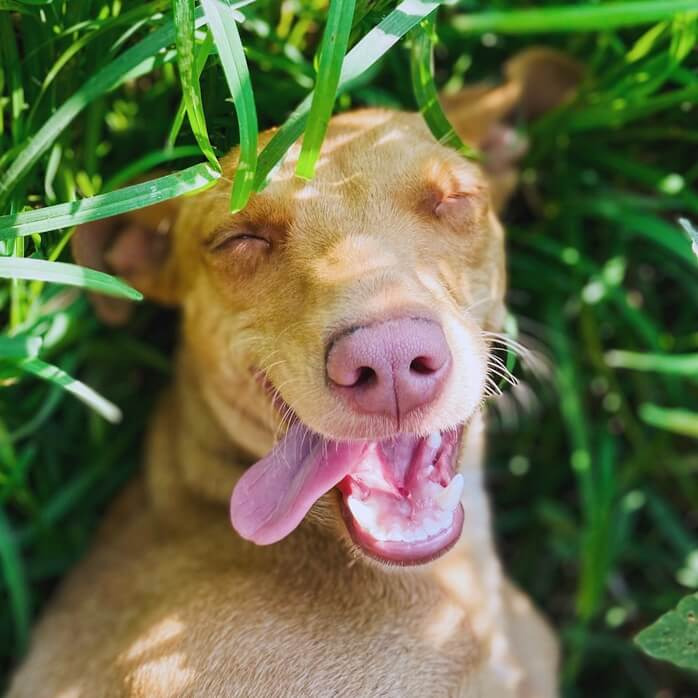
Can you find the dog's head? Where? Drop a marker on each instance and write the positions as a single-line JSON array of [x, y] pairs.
[[346, 315]]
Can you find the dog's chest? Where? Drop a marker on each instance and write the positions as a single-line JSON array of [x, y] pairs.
[[338, 639]]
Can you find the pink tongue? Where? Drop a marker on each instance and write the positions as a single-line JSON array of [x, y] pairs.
[[274, 495]]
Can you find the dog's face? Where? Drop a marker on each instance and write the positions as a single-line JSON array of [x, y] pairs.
[[358, 302], [347, 317]]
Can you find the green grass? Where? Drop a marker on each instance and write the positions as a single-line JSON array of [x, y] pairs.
[[593, 470]]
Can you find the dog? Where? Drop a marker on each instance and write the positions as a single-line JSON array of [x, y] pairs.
[[331, 373]]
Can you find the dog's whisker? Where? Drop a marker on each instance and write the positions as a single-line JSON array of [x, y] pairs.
[[502, 371]]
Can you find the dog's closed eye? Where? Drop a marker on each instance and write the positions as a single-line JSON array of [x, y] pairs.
[[243, 242], [456, 204], [239, 249], [456, 208], [241, 238]]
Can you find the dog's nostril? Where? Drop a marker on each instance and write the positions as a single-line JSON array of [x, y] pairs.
[[421, 365], [367, 376]]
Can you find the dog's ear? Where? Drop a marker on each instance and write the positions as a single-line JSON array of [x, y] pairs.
[[135, 246], [546, 77], [537, 80]]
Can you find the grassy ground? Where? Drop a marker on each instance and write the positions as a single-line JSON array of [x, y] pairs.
[[592, 468]]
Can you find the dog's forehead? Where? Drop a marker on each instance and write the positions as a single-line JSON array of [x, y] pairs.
[[371, 160], [368, 158], [374, 144]]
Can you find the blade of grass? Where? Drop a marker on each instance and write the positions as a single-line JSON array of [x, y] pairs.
[[676, 420], [574, 415], [644, 45], [136, 61], [645, 174], [203, 51], [680, 365], [623, 112], [623, 83], [136, 196], [82, 392], [577, 18], [13, 75], [424, 88], [191, 90], [597, 546], [68, 274], [14, 6], [632, 222], [19, 347], [148, 162], [692, 233], [334, 45], [139, 13], [40, 416], [221, 22], [366, 52], [15, 582], [54, 160], [645, 328], [670, 525]]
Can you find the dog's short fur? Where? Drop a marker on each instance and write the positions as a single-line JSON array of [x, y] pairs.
[[171, 601]]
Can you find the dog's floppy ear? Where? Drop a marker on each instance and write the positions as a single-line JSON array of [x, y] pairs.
[[537, 80], [135, 246]]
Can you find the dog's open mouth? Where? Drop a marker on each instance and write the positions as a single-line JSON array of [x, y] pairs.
[[400, 496], [401, 502]]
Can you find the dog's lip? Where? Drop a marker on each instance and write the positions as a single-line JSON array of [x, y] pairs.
[[400, 553]]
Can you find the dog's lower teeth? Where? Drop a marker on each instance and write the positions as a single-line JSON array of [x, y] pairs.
[[448, 498], [364, 513], [434, 440], [395, 533], [367, 514], [432, 527]]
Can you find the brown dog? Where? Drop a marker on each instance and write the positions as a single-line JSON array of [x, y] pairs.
[[344, 320]]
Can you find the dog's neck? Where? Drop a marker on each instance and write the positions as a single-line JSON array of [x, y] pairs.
[[191, 466]]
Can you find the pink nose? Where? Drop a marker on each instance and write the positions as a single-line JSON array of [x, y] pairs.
[[390, 368]]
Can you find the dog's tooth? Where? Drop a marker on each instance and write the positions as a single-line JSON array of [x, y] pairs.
[[362, 512], [431, 526], [416, 534], [411, 536], [396, 534], [448, 498], [376, 531], [433, 490], [446, 519], [434, 440]]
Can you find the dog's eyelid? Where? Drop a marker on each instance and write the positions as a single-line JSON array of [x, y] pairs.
[[456, 196], [225, 237], [445, 202]]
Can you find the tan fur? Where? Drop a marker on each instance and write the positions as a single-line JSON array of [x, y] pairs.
[[171, 602]]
